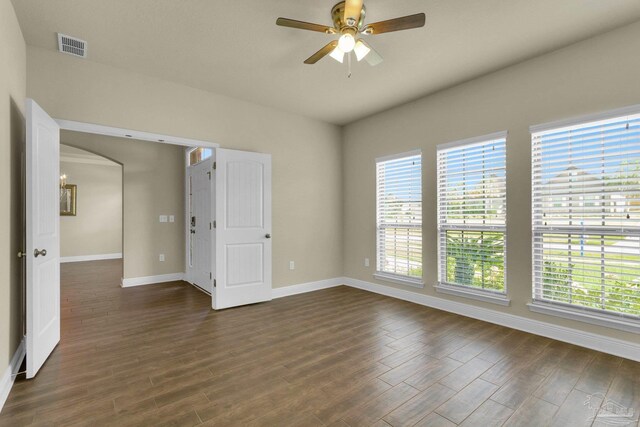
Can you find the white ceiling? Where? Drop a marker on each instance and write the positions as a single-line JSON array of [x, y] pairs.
[[234, 47]]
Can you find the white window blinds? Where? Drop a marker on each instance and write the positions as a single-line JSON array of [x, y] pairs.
[[399, 216], [586, 216], [472, 213]]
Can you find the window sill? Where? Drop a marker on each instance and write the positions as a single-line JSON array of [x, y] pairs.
[[609, 321], [416, 283], [480, 295]]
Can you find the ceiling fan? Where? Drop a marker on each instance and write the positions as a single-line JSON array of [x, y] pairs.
[[348, 22]]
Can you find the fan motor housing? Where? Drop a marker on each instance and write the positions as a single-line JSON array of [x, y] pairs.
[[337, 16]]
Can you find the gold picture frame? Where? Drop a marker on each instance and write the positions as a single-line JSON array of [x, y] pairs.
[[68, 194]]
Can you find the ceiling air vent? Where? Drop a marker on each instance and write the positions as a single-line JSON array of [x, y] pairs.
[[72, 46]]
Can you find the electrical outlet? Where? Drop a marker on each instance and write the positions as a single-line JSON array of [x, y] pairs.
[[292, 265], [161, 257], [366, 262], [172, 218], [163, 218]]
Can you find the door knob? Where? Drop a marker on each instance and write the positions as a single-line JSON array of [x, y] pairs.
[[37, 252], [268, 236]]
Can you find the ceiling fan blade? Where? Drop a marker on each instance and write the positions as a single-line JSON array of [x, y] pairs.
[[352, 9], [397, 24], [322, 53], [373, 58], [301, 25]]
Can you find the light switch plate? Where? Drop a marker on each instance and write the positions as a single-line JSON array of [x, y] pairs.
[[161, 257], [163, 218], [366, 262], [292, 265], [172, 218]]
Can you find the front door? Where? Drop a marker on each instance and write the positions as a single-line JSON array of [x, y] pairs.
[[243, 233], [201, 224], [43, 236]]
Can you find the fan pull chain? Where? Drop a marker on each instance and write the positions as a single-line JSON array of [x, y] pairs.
[[349, 65]]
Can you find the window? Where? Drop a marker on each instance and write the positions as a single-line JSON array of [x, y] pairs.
[[472, 213], [399, 217], [586, 216], [199, 154]]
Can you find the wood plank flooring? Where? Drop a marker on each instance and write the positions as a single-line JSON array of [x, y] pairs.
[[158, 356]]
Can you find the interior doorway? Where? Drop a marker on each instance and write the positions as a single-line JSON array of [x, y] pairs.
[[91, 207], [240, 202]]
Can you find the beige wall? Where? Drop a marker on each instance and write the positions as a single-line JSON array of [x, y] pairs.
[[306, 154], [153, 185], [96, 229], [591, 76], [12, 93]]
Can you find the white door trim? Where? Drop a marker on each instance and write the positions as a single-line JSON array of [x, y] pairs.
[[133, 134], [187, 218], [97, 129]]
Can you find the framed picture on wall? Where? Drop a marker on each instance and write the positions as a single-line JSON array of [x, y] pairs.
[[68, 194]]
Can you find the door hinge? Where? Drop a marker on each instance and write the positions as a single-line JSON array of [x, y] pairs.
[[210, 226], [214, 224], [209, 173], [214, 283], [215, 165], [210, 276]]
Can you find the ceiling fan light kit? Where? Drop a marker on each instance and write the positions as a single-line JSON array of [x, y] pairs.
[[338, 55], [346, 42], [348, 22]]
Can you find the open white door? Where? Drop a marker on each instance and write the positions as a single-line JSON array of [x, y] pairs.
[[43, 236], [243, 232], [201, 224]]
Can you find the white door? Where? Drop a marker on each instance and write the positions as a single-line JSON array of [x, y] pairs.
[[43, 236], [243, 233], [201, 224]]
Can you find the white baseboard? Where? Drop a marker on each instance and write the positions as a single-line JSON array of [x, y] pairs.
[[151, 280], [590, 340], [286, 291], [98, 257], [8, 377]]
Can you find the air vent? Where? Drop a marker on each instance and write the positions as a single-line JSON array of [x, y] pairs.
[[72, 46]]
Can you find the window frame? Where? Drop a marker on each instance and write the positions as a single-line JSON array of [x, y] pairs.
[[379, 273], [207, 153], [443, 286], [595, 316]]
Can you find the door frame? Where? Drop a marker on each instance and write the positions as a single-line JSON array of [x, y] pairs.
[[133, 134], [188, 143], [97, 129], [187, 217]]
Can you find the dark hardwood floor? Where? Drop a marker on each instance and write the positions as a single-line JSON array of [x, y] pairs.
[[158, 355]]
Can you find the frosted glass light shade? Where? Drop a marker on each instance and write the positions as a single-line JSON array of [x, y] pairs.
[[337, 54], [361, 50]]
